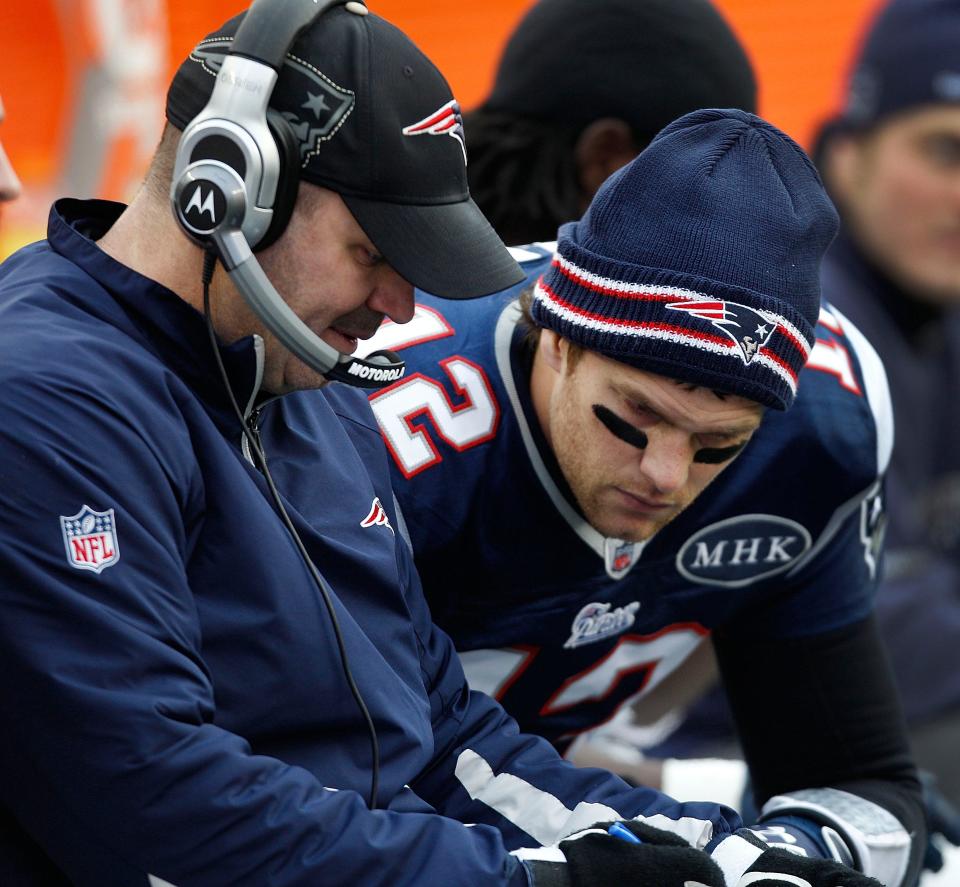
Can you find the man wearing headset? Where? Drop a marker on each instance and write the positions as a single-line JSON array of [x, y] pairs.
[[218, 666]]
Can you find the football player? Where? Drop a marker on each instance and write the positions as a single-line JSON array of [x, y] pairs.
[[661, 439]]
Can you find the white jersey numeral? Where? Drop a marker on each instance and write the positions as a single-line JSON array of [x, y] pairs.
[[832, 357], [657, 654], [467, 424], [494, 671]]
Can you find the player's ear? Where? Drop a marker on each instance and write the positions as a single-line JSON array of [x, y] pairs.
[[601, 149], [551, 348]]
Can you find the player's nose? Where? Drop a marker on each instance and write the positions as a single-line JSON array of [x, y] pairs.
[[666, 464]]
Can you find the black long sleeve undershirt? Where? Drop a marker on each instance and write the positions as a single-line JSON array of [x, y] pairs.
[[823, 711]]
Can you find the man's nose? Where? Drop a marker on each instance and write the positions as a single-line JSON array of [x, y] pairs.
[[666, 462], [392, 296]]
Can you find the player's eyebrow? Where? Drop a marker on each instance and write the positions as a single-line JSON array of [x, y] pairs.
[[640, 402], [734, 430]]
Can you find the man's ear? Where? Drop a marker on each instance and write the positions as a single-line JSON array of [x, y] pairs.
[[551, 349], [600, 150], [841, 163]]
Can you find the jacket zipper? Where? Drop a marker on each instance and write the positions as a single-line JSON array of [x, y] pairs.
[[253, 423], [251, 416]]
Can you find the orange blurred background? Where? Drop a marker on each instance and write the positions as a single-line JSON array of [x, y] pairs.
[[83, 81]]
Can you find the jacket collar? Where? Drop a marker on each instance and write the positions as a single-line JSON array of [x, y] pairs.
[[163, 322]]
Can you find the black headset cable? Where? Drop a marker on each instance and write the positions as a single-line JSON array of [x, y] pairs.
[[209, 265]]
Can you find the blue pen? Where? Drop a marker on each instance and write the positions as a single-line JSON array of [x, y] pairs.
[[619, 830]]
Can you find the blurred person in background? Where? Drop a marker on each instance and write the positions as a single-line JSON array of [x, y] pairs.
[[892, 163], [582, 87]]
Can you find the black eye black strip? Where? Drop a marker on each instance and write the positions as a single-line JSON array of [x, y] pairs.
[[716, 455], [636, 438], [619, 427]]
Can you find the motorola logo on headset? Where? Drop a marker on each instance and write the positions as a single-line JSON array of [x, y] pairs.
[[203, 207], [376, 374]]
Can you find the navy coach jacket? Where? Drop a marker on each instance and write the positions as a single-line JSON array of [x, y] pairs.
[[175, 710]]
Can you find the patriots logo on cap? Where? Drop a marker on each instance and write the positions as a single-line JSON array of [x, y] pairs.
[[748, 328], [322, 105], [445, 121]]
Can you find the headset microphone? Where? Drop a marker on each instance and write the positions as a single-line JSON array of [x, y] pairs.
[[234, 184]]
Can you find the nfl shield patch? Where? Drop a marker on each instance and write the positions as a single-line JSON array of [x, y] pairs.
[[90, 538]]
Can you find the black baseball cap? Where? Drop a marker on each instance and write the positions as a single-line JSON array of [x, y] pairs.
[[377, 123]]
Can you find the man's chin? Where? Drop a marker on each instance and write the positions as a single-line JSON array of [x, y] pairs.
[[632, 529], [628, 531], [297, 376]]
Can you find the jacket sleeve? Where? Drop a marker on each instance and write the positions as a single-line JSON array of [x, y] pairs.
[[111, 756], [486, 771]]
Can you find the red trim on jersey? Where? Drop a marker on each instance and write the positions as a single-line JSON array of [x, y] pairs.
[[549, 709], [531, 651], [837, 348]]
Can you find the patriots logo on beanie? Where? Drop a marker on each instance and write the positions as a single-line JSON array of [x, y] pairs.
[[746, 326]]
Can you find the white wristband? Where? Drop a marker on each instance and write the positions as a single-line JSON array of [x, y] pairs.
[[705, 779]]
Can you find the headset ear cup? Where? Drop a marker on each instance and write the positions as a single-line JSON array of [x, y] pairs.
[[288, 146]]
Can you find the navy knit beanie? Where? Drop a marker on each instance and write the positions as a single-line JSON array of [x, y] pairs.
[[699, 260]]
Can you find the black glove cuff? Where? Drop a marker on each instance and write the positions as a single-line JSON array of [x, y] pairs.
[[548, 874]]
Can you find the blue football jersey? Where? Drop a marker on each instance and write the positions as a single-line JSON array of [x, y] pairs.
[[565, 626]]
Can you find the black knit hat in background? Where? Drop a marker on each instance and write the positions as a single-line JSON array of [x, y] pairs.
[[642, 61]]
